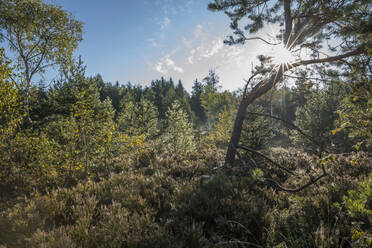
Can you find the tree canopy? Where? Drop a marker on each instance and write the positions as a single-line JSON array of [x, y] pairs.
[[40, 35]]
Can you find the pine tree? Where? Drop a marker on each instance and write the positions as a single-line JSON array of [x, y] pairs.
[[212, 81], [305, 25], [179, 137], [139, 119], [196, 105]]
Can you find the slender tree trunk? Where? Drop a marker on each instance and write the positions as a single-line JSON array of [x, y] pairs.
[[259, 90], [235, 136]]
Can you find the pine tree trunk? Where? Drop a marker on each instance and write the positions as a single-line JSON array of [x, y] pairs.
[[260, 89]]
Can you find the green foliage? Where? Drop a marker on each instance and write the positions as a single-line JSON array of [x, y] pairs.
[[222, 129], [40, 34], [212, 81], [359, 202], [91, 171], [179, 137], [257, 131], [355, 114], [219, 136], [11, 100], [317, 119], [214, 103], [196, 105], [139, 118]]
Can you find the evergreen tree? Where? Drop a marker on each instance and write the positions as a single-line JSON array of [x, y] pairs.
[[179, 137], [212, 81], [196, 105], [139, 119], [317, 119], [256, 132], [214, 103]]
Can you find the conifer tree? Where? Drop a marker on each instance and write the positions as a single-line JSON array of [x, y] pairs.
[[179, 137], [305, 25], [196, 105], [139, 119]]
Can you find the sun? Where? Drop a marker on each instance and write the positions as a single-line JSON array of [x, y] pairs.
[[281, 55]]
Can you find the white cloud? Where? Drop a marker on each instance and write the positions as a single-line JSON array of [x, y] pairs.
[[170, 63], [164, 23], [213, 49], [201, 50], [198, 30], [166, 64], [189, 42], [190, 59]]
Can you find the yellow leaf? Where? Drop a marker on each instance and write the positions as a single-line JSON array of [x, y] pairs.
[[357, 145], [334, 131], [355, 98]]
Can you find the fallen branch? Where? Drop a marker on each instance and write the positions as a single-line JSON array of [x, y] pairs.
[[282, 188], [267, 158]]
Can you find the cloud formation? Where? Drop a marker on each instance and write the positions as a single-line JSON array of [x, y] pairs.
[[203, 49], [166, 65]]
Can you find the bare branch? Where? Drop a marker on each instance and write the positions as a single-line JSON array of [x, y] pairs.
[[328, 59], [248, 82], [267, 158], [33, 48], [308, 78], [261, 39], [282, 188]]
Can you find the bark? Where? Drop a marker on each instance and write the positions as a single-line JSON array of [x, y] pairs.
[[288, 21]]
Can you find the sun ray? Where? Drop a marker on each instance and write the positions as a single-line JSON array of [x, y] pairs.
[[294, 41]]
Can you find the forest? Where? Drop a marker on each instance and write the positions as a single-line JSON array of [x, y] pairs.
[[285, 161]]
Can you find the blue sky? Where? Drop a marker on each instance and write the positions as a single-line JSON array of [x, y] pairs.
[[141, 40]]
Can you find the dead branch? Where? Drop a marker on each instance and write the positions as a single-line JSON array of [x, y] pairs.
[[248, 82], [265, 157], [309, 78], [282, 188], [261, 39]]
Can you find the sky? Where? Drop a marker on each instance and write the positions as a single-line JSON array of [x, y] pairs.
[[142, 40]]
